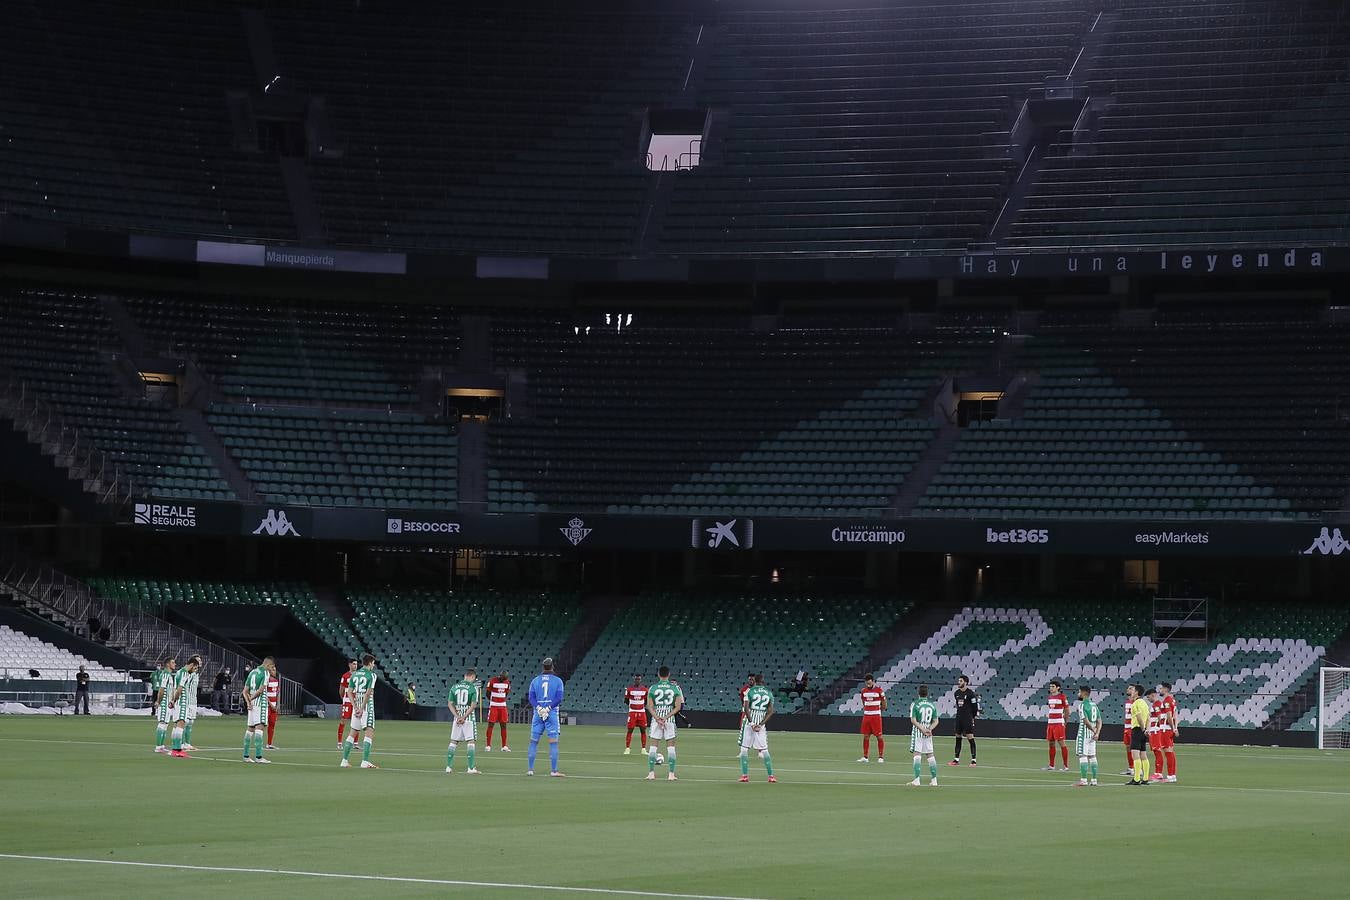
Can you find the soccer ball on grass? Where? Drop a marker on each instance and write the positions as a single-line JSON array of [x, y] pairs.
[[660, 759]]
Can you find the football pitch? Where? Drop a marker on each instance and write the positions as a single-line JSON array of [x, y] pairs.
[[90, 811]]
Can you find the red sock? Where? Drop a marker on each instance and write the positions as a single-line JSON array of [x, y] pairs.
[[1171, 763], [1052, 756], [628, 740], [642, 733], [271, 729], [1158, 761], [1129, 759], [489, 735], [881, 747], [503, 724], [867, 746], [342, 729]]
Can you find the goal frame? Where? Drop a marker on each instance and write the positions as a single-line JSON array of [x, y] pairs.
[[1322, 703]]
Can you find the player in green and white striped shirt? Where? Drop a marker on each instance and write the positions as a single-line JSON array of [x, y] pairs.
[[923, 718], [361, 687], [255, 701], [756, 711], [463, 704], [1089, 729], [183, 701], [664, 701], [161, 683]]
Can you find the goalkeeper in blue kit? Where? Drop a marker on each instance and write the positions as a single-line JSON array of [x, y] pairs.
[[546, 694]]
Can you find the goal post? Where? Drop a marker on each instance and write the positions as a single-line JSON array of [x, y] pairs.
[[1333, 708]]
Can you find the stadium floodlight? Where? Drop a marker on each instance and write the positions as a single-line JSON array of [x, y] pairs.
[[1333, 709]]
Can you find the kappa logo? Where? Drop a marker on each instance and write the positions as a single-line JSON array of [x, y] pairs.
[[1329, 543], [575, 530], [738, 533], [276, 524]]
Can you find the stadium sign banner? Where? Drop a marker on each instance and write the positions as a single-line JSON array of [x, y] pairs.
[[733, 533], [185, 517]]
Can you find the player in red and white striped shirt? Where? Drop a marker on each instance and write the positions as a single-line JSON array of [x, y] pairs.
[[498, 690], [1155, 715], [1057, 708], [345, 699], [1167, 725], [635, 695], [873, 704], [273, 707]]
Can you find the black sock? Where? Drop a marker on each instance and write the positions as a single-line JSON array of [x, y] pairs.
[[972, 749], [957, 753]]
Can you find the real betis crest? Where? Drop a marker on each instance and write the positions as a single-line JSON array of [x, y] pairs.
[[575, 531]]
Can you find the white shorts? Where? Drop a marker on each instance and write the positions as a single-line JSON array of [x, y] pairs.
[[462, 732], [752, 739], [192, 713], [1087, 744], [257, 713], [921, 743], [163, 714], [662, 731], [362, 719]]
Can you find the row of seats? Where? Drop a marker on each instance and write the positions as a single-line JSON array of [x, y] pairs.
[[21, 652]]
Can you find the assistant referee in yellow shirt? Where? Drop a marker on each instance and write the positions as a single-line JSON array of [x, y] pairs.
[[1139, 713]]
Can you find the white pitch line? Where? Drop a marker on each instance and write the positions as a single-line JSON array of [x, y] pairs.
[[238, 870]]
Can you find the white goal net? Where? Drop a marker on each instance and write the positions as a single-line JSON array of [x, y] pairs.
[[1333, 709]]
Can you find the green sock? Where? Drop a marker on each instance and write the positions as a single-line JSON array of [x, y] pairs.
[[918, 767], [1082, 769], [670, 760], [159, 735], [932, 766], [450, 757], [187, 734], [1094, 768], [248, 737], [768, 763], [651, 759], [258, 744], [177, 736], [745, 764], [365, 749], [472, 748], [347, 748]]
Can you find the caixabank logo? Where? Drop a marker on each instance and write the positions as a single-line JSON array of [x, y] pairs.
[[722, 534]]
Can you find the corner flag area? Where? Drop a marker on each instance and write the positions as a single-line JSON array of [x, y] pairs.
[[90, 810]]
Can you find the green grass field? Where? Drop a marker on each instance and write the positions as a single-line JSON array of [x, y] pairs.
[[1265, 822]]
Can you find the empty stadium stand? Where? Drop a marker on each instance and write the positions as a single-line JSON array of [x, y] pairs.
[[874, 129], [347, 458], [698, 415], [430, 637], [883, 128], [20, 652], [1087, 446], [305, 354], [59, 344], [115, 116], [709, 641], [1260, 655], [156, 593], [1224, 123]]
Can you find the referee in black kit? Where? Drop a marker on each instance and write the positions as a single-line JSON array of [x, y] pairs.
[[967, 710]]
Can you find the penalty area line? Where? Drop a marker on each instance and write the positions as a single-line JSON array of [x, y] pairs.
[[400, 879]]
